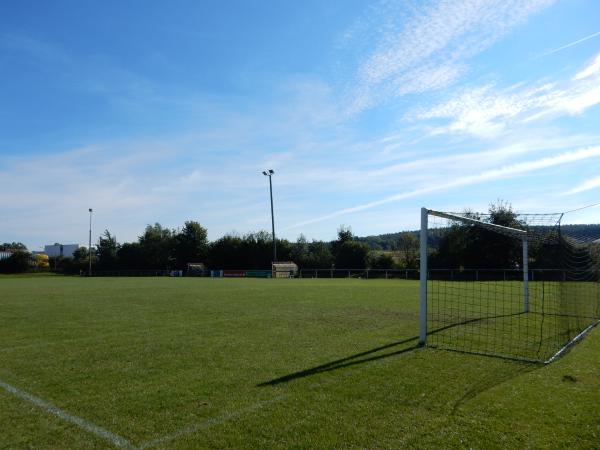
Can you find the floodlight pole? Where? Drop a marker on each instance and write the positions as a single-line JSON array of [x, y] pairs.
[[269, 173], [90, 247], [423, 279]]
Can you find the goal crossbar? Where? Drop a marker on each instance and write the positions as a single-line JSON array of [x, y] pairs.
[[497, 228]]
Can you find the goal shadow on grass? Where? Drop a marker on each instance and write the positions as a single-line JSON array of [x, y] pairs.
[[352, 360], [489, 379], [369, 355]]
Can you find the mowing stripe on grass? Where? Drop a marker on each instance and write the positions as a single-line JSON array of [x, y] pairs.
[[118, 441]]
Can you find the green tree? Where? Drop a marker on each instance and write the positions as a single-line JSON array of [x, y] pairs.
[[131, 256], [351, 255], [480, 247], [408, 247], [157, 247], [226, 252], [379, 260], [190, 244], [300, 251], [348, 253], [320, 256], [107, 250], [13, 246], [19, 262], [345, 234]]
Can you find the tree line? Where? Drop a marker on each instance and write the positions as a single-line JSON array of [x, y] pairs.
[[462, 245], [162, 248]]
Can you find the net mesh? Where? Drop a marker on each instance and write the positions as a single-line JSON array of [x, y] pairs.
[[477, 299]]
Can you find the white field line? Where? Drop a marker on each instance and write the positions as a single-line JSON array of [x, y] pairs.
[[217, 420], [117, 441], [210, 422]]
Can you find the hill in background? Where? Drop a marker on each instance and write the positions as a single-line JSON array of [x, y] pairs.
[[388, 242]]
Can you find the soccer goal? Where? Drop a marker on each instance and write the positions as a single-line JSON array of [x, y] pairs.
[[505, 284]]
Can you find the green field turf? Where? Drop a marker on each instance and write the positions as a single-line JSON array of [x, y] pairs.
[[242, 363]]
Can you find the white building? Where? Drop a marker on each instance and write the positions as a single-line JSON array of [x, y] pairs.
[[5, 255], [65, 250]]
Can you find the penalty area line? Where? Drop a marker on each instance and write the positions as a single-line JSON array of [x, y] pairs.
[[211, 422], [114, 439]]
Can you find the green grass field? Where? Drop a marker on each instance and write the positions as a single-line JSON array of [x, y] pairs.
[[226, 363]]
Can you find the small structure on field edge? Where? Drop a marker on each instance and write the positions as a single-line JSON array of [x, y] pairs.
[[285, 269], [195, 269]]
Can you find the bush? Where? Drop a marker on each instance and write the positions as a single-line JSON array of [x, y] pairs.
[[351, 255], [18, 262], [381, 261]]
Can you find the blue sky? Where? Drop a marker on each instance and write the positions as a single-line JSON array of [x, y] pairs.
[[169, 111]]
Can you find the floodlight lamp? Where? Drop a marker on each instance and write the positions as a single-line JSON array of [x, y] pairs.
[[265, 173], [271, 171], [90, 209]]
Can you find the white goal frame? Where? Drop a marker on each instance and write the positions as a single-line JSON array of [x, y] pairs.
[[514, 232]]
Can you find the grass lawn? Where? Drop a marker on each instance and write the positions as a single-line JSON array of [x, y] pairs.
[[244, 363]]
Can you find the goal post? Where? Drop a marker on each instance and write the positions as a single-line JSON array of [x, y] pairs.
[[476, 294], [423, 278]]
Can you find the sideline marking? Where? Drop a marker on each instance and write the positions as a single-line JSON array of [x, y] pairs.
[[121, 442], [118, 441]]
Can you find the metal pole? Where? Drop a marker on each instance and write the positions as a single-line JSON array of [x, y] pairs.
[[90, 247], [423, 279], [525, 274], [273, 221]]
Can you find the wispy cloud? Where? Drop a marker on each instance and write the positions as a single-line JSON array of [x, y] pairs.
[[486, 111], [592, 69], [587, 185], [429, 49], [485, 176]]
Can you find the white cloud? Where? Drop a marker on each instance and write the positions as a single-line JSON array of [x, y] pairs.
[[429, 50], [587, 185], [486, 111], [592, 69], [482, 177]]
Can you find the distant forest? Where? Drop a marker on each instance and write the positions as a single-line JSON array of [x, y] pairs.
[[389, 241], [164, 248]]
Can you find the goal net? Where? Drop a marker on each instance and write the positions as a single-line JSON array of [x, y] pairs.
[[518, 286]]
